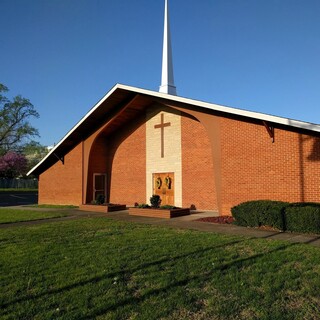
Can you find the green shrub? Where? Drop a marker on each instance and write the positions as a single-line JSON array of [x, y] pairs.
[[143, 205], [168, 207], [155, 201], [100, 199], [260, 213], [303, 217]]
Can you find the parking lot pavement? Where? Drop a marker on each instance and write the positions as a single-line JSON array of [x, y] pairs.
[[17, 198]]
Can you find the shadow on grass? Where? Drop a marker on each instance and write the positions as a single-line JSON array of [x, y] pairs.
[[202, 278], [117, 274], [238, 263]]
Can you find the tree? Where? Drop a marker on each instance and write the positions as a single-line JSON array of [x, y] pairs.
[[15, 128], [13, 165], [34, 152]]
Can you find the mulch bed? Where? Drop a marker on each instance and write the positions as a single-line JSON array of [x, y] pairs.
[[220, 219]]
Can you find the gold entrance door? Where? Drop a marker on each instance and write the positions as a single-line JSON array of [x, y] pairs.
[[99, 185], [163, 185]]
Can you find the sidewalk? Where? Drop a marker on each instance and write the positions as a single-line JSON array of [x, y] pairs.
[[188, 222], [185, 222]]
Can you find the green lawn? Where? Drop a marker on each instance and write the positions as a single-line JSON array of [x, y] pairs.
[[18, 190], [53, 206], [101, 269], [17, 215]]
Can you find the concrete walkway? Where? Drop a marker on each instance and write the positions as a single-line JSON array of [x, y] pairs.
[[185, 222], [188, 222]]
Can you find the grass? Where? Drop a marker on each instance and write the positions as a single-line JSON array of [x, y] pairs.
[[53, 206], [102, 269], [18, 215], [18, 190]]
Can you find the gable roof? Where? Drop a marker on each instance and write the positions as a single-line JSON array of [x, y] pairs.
[[122, 103]]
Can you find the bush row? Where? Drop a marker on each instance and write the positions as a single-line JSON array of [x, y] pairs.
[[284, 216]]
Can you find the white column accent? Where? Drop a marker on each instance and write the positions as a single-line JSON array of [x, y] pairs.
[[167, 80], [172, 150]]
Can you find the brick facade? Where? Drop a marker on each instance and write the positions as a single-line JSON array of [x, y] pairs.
[[62, 183], [170, 161], [255, 168], [198, 187], [97, 164], [223, 166], [128, 163]]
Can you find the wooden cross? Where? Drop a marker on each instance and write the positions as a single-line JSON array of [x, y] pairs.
[[161, 126]]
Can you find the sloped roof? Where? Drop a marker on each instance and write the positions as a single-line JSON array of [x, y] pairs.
[[123, 103]]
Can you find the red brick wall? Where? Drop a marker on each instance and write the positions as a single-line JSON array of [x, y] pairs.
[[255, 168], [128, 175], [197, 166], [252, 167], [62, 183], [97, 163], [310, 168]]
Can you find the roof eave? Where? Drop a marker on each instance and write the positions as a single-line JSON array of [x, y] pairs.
[[209, 106], [110, 92]]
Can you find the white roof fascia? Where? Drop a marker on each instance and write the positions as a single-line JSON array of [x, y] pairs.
[[235, 111], [215, 107], [96, 106]]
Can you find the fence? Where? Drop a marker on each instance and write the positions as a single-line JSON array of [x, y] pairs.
[[18, 183]]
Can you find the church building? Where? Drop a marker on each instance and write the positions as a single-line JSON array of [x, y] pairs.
[[135, 143]]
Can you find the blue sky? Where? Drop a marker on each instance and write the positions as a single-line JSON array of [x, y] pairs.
[[64, 55]]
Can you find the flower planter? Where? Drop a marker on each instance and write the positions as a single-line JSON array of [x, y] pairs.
[[159, 213], [102, 208], [116, 207]]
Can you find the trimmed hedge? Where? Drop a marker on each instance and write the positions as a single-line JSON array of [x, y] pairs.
[[260, 213], [303, 217], [294, 217]]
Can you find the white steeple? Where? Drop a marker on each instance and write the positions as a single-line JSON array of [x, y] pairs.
[[167, 81]]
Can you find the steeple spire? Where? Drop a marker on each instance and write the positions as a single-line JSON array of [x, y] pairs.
[[167, 80]]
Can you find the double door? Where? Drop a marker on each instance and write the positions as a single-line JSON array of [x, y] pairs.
[[163, 185]]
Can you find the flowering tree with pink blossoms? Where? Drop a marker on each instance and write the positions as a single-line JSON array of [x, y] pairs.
[[13, 165]]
